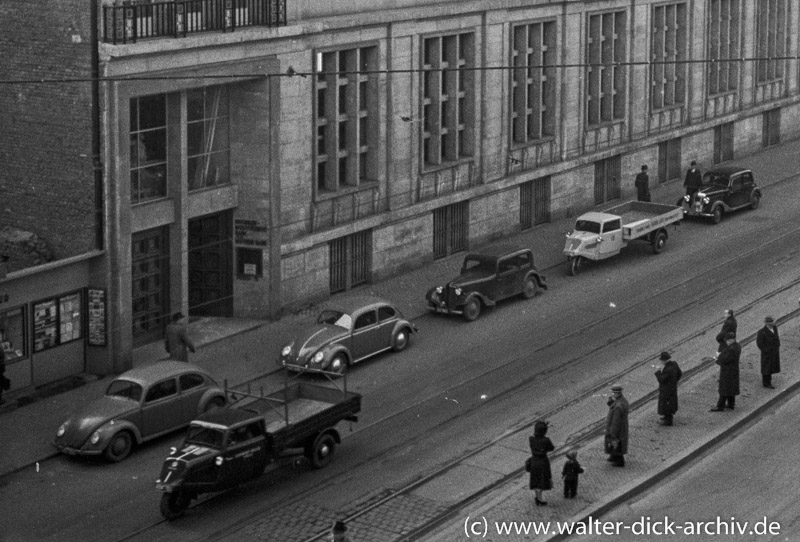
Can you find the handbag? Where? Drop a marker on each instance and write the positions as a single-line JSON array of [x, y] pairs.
[[612, 445], [528, 465]]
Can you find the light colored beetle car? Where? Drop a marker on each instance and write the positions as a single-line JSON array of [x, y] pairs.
[[139, 405], [347, 332]]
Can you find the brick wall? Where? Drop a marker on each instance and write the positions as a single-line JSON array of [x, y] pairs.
[[46, 179]]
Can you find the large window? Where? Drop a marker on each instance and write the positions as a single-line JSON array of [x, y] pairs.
[[57, 321], [723, 46], [148, 147], [448, 98], [12, 334], [668, 72], [606, 74], [771, 40], [346, 118], [208, 140], [533, 81]]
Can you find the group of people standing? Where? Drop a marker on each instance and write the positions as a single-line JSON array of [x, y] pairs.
[[692, 182]]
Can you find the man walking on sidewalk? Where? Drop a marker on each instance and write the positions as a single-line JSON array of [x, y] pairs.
[[728, 362], [667, 376], [769, 343], [177, 340], [642, 184], [616, 441]]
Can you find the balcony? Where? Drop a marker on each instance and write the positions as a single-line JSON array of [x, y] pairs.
[[133, 20]]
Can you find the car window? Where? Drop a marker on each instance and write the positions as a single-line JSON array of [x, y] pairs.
[[335, 318], [366, 319], [474, 265], [163, 389], [125, 389], [737, 184], [715, 179], [524, 259], [612, 225], [747, 178], [204, 436], [241, 434], [507, 264], [588, 226], [191, 380], [386, 312]]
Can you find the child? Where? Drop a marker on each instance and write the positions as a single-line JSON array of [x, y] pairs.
[[570, 474]]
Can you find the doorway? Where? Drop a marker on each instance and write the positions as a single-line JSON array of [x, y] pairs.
[[210, 265]]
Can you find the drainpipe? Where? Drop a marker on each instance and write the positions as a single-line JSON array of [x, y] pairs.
[[99, 192]]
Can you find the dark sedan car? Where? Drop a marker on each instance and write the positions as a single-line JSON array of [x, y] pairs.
[[724, 189], [139, 405], [353, 329]]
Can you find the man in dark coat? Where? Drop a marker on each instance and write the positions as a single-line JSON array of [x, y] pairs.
[[668, 376], [769, 343], [2, 374], [642, 184], [728, 326], [728, 362], [617, 427], [693, 180], [177, 340]]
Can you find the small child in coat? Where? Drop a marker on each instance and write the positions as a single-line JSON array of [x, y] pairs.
[[570, 474]]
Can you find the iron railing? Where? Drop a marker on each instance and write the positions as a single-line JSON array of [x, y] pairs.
[[134, 20]]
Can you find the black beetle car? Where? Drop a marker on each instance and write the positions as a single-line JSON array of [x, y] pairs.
[[487, 277], [724, 189]]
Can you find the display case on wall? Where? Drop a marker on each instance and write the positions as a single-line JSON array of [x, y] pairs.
[[12, 334], [57, 321]]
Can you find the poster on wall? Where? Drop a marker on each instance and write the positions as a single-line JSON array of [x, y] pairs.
[[97, 316]]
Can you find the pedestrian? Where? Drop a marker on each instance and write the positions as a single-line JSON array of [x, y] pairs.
[[572, 469], [768, 341], [728, 326], [728, 362], [642, 184], [616, 441], [667, 375], [693, 180], [338, 532], [177, 340], [541, 477]]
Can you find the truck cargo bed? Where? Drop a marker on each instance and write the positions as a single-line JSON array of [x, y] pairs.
[[640, 218]]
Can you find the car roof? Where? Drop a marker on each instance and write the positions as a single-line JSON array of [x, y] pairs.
[[728, 170], [497, 251], [349, 304], [147, 374]]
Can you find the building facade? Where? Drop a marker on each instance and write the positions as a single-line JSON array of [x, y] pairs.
[[261, 155]]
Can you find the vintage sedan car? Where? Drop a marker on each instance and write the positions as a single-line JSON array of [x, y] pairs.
[[345, 333], [724, 189], [139, 405], [486, 278]]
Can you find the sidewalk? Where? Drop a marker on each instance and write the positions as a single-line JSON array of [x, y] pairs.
[[26, 432]]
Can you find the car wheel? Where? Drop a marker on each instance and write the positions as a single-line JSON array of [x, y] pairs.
[[174, 504], [530, 288], [119, 448], [338, 364], [214, 404], [322, 451], [659, 241], [401, 339], [716, 218], [755, 201], [472, 309], [575, 265]]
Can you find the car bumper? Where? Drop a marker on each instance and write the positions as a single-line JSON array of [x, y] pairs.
[[69, 450], [443, 309]]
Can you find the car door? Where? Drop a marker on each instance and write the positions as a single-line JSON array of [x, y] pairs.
[[366, 334], [507, 277], [159, 408], [244, 456], [611, 238], [191, 389], [387, 318], [740, 191]]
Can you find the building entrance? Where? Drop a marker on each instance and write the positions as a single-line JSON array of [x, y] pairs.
[[210, 265]]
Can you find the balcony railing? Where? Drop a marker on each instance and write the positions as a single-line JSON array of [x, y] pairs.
[[134, 20]]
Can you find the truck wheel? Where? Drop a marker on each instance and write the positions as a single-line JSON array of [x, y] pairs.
[[755, 201], [338, 364], [401, 339], [174, 504], [322, 451], [717, 218], [472, 309], [575, 265], [119, 448], [659, 241], [530, 288]]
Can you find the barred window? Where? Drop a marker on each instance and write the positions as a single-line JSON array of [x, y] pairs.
[[771, 40], [606, 74], [533, 83], [668, 72], [448, 98], [346, 118], [208, 140], [724, 43]]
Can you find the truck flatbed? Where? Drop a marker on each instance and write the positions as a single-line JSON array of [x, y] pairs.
[[640, 218]]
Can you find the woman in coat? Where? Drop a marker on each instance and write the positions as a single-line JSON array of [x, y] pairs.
[[541, 477], [668, 376], [728, 362], [769, 343], [728, 326]]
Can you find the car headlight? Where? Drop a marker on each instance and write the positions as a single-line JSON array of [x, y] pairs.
[[62, 429], [286, 350], [317, 357], [687, 199], [438, 289], [706, 200], [95, 438], [458, 291], [219, 460], [599, 239]]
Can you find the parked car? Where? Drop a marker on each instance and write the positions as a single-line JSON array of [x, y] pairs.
[[486, 278], [139, 405], [347, 332], [724, 189]]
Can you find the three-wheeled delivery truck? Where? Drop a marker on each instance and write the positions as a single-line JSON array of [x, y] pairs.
[[228, 446], [600, 235]]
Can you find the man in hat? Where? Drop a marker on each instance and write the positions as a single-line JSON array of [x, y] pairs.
[[728, 362], [769, 343], [617, 427], [177, 340], [667, 375], [693, 180], [338, 532], [642, 184]]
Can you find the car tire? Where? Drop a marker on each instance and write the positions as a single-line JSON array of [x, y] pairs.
[[755, 201], [717, 216], [472, 309], [530, 287], [659, 242], [119, 448], [401, 339], [321, 452], [173, 505], [338, 364], [214, 404], [575, 265]]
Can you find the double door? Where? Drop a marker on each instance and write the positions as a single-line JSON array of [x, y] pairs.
[[210, 265]]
